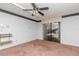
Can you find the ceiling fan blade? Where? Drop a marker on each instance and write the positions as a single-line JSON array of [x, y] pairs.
[[34, 6], [41, 13], [44, 8], [28, 9], [18, 5]]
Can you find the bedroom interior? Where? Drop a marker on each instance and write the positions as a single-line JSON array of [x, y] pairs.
[[39, 29]]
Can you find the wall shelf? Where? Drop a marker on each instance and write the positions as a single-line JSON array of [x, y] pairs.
[[5, 38]]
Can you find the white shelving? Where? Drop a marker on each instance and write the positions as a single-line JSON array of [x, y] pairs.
[[5, 38]]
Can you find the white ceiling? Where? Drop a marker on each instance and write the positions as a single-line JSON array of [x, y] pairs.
[[55, 9]]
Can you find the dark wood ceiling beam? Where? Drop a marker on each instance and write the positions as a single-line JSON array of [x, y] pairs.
[[74, 14], [8, 12]]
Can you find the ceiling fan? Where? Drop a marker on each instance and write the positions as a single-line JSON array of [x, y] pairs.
[[35, 9]]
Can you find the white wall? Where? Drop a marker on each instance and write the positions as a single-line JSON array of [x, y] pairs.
[[22, 30], [70, 30], [40, 31]]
